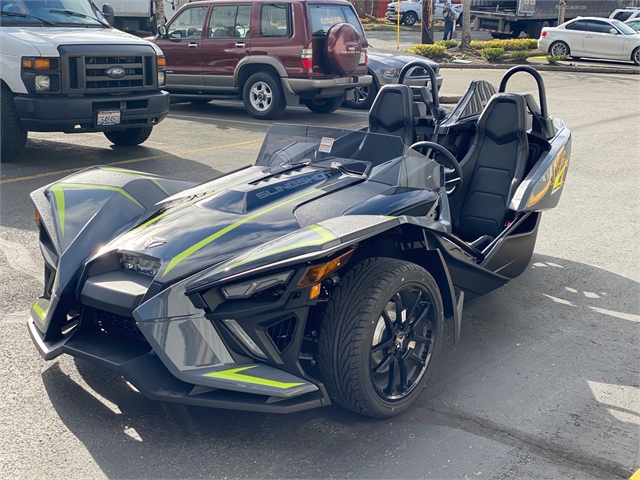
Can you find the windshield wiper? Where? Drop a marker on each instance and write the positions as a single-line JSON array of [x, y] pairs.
[[71, 13], [25, 15]]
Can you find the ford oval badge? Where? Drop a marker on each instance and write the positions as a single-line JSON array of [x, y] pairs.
[[115, 72]]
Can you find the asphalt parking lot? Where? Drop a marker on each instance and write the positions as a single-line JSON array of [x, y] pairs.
[[544, 383]]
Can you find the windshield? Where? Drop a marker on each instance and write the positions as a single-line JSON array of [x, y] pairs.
[[380, 158], [324, 16], [625, 29], [47, 12]]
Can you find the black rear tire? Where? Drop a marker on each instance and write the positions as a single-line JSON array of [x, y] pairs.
[[351, 336], [324, 105], [12, 133], [272, 105], [129, 137]]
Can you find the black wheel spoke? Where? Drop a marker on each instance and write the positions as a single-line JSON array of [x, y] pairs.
[[384, 363], [422, 316], [403, 375], [421, 339], [415, 306], [412, 355], [397, 300], [388, 323], [382, 345], [392, 378]]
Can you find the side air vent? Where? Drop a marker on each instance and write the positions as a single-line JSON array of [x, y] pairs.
[[282, 333], [109, 322]]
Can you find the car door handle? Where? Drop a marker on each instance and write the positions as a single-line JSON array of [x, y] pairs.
[[240, 44], [588, 36], [193, 45]]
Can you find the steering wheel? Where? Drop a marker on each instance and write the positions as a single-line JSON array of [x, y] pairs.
[[446, 153]]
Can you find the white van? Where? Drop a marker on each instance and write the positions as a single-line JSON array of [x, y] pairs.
[[132, 15]]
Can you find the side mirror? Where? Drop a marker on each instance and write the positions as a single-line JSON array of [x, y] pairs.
[[107, 11], [162, 31], [613, 31]]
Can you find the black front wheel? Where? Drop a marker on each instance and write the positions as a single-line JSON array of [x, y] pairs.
[[363, 97], [263, 96], [13, 136], [129, 137], [381, 332], [324, 105], [409, 19]]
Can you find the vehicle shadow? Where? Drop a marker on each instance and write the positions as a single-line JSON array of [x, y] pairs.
[[549, 384]]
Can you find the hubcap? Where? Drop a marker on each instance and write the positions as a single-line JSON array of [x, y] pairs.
[[360, 94], [403, 342], [559, 50], [261, 96]]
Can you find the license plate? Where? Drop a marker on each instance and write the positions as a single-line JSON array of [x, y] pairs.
[[108, 117]]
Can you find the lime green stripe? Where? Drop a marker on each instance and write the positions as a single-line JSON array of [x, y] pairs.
[[42, 314], [59, 196], [203, 243], [233, 375], [148, 176], [326, 236]]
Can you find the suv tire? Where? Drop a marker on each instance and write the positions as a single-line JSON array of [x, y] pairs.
[[12, 133], [263, 96], [324, 105], [129, 137]]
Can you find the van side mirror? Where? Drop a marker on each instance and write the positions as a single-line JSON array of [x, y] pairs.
[[107, 11], [162, 31]]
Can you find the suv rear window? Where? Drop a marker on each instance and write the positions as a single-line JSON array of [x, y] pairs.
[[324, 16]]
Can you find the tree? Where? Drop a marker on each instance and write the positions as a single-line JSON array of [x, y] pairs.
[[466, 24], [427, 21], [159, 4], [562, 5]]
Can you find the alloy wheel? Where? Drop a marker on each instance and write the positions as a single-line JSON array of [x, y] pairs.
[[261, 96], [360, 95], [559, 49], [403, 342]]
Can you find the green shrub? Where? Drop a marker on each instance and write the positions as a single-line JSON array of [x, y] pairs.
[[492, 54], [553, 59], [521, 55], [509, 45], [447, 43], [428, 50]]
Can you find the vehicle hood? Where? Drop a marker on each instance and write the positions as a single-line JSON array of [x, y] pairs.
[[48, 39], [382, 59], [189, 234]]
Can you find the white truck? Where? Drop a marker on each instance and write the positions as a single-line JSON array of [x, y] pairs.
[[411, 11], [63, 68], [132, 15]]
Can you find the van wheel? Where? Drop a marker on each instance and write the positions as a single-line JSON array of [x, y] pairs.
[[129, 137], [13, 136], [381, 332], [263, 96], [324, 105]]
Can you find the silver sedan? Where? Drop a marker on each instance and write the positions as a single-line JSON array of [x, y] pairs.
[[385, 70]]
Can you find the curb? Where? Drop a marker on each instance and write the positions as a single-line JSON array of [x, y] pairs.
[[546, 68]]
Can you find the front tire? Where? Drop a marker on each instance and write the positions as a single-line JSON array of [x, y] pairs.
[[381, 331], [129, 137], [559, 49], [263, 96], [324, 105], [13, 136], [363, 97], [409, 19]]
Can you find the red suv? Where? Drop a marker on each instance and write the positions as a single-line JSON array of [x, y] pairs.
[[269, 54]]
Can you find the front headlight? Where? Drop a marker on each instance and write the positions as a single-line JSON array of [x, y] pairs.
[[392, 72], [146, 265], [42, 83], [246, 289], [161, 78]]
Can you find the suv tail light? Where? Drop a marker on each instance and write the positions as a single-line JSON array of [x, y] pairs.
[[306, 58]]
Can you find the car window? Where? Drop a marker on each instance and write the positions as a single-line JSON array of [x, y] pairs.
[[634, 25], [598, 27], [275, 20], [577, 25], [324, 16], [625, 29], [229, 21], [188, 23], [622, 16]]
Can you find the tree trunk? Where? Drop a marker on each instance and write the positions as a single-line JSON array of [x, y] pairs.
[[427, 21], [466, 24], [159, 4], [375, 4], [359, 6], [562, 5]]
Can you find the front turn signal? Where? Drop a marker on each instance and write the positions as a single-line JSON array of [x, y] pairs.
[[317, 273], [162, 62]]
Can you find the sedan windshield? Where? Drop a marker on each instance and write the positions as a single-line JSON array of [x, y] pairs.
[[625, 29], [48, 12]]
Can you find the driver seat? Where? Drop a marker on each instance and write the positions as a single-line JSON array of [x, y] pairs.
[[392, 113], [499, 154]]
